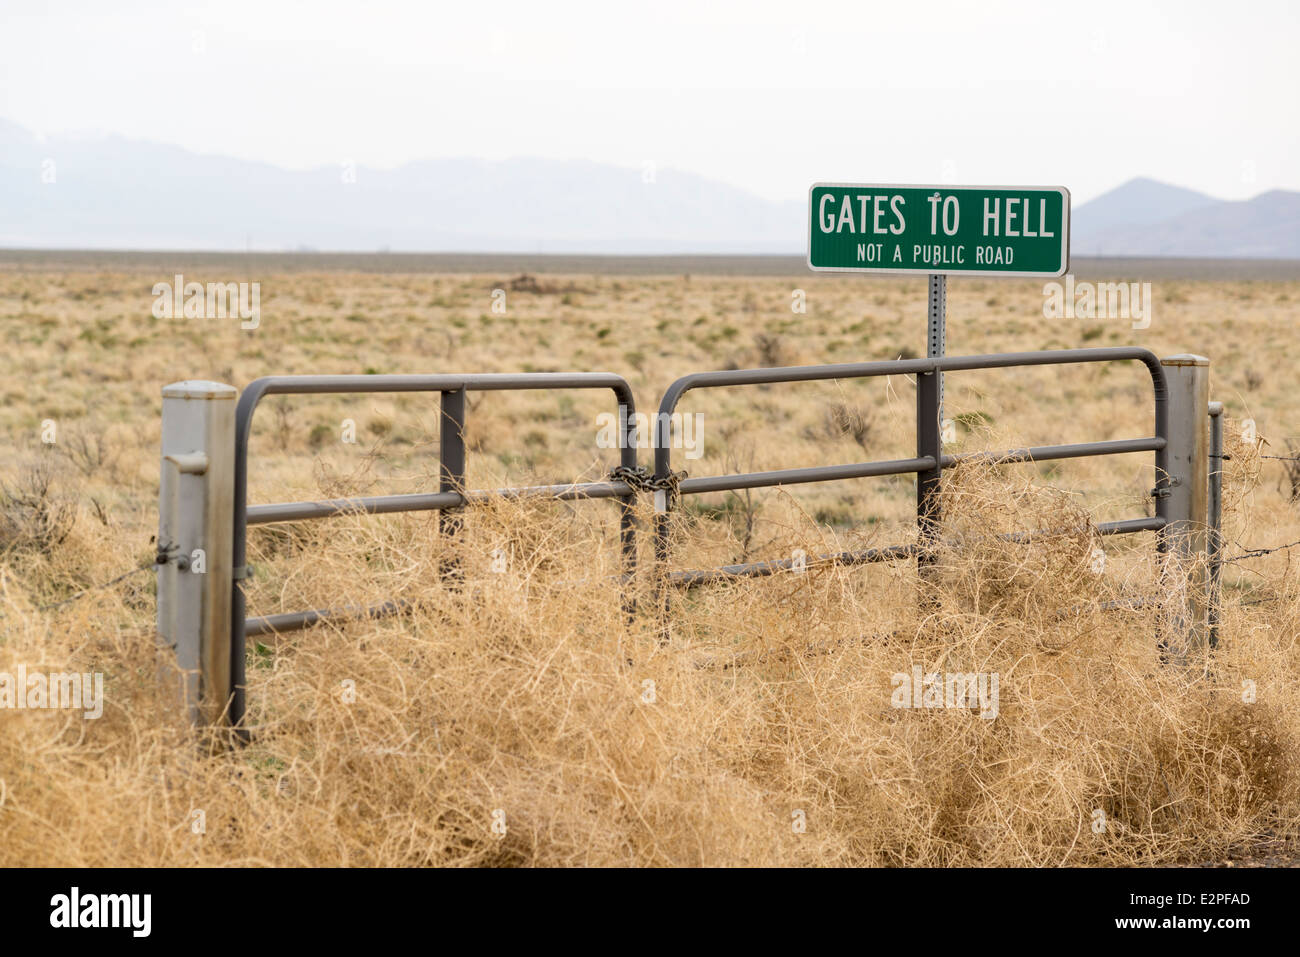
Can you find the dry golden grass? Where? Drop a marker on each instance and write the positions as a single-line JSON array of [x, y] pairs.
[[529, 693]]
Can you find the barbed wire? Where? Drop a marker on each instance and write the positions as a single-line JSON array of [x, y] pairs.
[[1256, 552], [1260, 601], [640, 480], [94, 588], [165, 553]]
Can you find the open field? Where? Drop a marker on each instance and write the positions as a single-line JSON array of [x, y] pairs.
[[527, 693], [231, 264]]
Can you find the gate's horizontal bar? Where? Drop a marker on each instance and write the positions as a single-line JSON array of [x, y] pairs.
[[1045, 453], [830, 473], [297, 620], [432, 501], [859, 370], [821, 473], [476, 382], [707, 576], [1130, 525], [374, 505], [761, 569], [427, 501], [1125, 527]]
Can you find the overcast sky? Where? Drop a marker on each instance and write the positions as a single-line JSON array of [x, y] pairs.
[[767, 96]]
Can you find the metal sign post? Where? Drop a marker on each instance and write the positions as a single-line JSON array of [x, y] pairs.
[[937, 332]]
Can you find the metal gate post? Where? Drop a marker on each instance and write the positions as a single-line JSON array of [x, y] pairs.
[[1185, 539], [195, 529]]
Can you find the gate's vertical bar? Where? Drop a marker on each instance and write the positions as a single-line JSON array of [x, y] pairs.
[[1216, 519], [1188, 379], [663, 503], [451, 466], [195, 529], [451, 453], [627, 503], [928, 444]]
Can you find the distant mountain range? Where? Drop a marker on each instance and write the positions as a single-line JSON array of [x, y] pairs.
[[1147, 218], [110, 192]]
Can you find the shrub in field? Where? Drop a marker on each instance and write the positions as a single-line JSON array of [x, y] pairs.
[[517, 717], [34, 514]]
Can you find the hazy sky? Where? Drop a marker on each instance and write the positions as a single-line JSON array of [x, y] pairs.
[[768, 96]]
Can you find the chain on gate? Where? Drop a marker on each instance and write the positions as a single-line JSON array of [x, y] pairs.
[[640, 479]]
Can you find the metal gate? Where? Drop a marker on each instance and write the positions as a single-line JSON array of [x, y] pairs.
[[205, 622], [930, 461]]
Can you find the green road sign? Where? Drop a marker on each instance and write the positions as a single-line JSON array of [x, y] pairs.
[[990, 230]]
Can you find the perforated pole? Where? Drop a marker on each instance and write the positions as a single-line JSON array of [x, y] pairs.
[[937, 332], [929, 421], [928, 444]]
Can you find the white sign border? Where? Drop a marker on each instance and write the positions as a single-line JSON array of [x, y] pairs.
[[1065, 233]]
